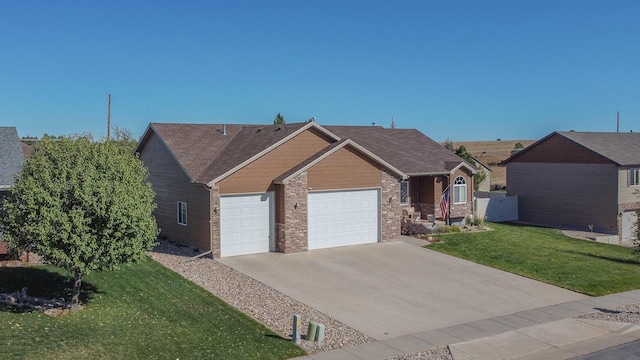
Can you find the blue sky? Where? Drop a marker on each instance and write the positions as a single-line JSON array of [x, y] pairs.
[[465, 70]]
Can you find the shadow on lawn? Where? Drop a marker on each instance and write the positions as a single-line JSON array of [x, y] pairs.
[[608, 258], [40, 283]]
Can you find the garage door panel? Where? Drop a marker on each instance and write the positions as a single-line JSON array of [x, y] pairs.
[[246, 224], [342, 218]]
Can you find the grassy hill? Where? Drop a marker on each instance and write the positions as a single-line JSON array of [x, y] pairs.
[[491, 153]]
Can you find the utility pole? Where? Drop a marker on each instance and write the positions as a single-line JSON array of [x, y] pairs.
[[109, 118], [618, 122]]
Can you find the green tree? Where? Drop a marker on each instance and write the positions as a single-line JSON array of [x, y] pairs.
[[278, 120], [81, 205], [123, 138], [461, 151]]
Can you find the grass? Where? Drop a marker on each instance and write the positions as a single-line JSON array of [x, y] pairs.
[[142, 311], [547, 255]]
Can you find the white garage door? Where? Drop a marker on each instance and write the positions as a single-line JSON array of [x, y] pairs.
[[246, 224], [340, 218], [629, 221]]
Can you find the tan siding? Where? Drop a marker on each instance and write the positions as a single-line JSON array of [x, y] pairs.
[[575, 195], [627, 194], [172, 185], [558, 149], [345, 169], [257, 176]]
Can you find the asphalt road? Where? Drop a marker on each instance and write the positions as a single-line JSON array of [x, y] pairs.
[[628, 351]]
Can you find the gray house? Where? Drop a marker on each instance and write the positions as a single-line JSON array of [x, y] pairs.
[[578, 180], [11, 157]]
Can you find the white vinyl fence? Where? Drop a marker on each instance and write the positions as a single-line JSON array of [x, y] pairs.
[[497, 208]]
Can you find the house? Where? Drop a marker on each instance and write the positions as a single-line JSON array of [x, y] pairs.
[[243, 189], [11, 158], [485, 185], [579, 180]]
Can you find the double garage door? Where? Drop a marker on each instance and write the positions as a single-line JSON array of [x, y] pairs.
[[335, 218]]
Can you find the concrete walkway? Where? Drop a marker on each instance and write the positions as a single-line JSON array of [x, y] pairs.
[[551, 332]]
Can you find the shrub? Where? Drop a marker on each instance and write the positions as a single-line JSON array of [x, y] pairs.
[[411, 228], [451, 229]]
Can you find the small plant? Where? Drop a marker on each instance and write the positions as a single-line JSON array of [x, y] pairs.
[[451, 229]]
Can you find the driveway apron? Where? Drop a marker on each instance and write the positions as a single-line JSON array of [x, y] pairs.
[[394, 289]]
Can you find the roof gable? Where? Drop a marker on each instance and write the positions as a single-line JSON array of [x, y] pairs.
[[210, 152], [11, 155], [327, 152], [622, 149]]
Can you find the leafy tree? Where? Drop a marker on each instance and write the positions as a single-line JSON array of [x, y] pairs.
[[518, 146], [461, 151], [81, 205], [124, 139], [278, 120]]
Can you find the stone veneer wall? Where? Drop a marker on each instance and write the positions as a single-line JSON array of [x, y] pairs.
[[390, 211], [214, 213], [293, 234], [622, 208]]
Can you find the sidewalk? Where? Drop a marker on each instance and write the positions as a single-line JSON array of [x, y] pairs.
[[551, 332]]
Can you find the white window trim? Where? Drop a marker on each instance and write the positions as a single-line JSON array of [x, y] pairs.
[[182, 213], [406, 201], [634, 177], [456, 190]]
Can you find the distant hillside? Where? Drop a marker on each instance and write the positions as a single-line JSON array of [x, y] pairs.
[[491, 153]]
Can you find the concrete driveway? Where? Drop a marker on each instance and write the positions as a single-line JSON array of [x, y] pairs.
[[393, 289]]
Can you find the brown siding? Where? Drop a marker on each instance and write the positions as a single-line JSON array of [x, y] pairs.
[[558, 149], [257, 176], [575, 195], [172, 185], [345, 169]]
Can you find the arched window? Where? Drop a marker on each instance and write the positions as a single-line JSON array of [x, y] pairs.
[[460, 190]]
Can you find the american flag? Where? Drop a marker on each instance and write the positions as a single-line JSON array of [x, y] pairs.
[[444, 203]]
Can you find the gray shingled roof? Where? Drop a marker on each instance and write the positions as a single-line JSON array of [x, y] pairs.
[[621, 148], [205, 153], [409, 150], [11, 155]]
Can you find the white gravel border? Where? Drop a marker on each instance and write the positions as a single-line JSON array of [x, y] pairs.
[[264, 304]]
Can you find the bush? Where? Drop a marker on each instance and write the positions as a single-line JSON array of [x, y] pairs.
[[411, 228], [451, 229]]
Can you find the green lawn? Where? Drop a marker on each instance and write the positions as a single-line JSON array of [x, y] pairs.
[[143, 311], [549, 256]]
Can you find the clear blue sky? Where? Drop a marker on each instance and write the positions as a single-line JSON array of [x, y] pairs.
[[465, 70]]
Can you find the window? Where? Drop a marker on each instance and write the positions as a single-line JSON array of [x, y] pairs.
[[634, 177], [460, 190], [404, 192], [182, 213]]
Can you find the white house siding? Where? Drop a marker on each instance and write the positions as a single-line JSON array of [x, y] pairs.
[[627, 194], [575, 195]]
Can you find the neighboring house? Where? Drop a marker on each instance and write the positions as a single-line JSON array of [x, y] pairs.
[[11, 158], [578, 179], [485, 185], [243, 189]]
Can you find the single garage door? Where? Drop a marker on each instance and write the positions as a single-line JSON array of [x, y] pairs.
[[246, 224], [341, 218], [629, 221]]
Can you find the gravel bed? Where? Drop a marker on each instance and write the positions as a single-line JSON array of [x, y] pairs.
[[266, 305], [439, 353], [628, 314]]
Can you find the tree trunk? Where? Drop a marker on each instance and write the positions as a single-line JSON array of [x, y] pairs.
[[75, 299]]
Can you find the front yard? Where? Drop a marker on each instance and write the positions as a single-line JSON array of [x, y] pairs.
[[547, 255], [142, 311]]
